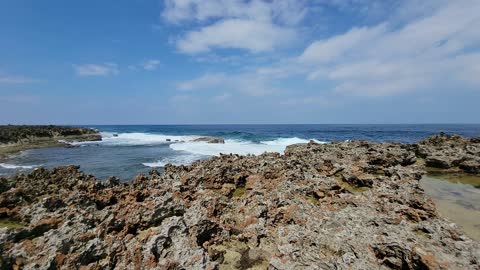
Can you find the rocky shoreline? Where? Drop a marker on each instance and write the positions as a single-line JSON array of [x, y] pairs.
[[18, 138], [342, 205]]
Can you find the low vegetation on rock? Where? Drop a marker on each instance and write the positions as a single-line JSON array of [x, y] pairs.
[[342, 205], [18, 138], [11, 134]]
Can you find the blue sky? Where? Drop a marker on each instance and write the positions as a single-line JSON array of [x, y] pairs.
[[235, 61]]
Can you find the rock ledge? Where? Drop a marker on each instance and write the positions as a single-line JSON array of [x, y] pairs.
[[343, 205]]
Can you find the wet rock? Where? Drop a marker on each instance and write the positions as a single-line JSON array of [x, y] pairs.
[[470, 166], [441, 162], [342, 205], [209, 139]]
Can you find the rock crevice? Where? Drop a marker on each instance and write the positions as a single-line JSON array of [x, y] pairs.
[[342, 205]]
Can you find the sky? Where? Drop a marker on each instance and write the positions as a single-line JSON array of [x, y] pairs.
[[239, 61]]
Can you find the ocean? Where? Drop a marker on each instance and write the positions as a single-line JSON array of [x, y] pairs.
[[127, 150]]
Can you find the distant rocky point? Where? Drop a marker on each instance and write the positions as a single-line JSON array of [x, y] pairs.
[[210, 139], [16, 138], [341, 205]]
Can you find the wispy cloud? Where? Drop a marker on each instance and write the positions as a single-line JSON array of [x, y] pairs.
[[9, 79], [203, 82], [382, 60], [325, 51], [255, 26], [106, 69], [150, 64], [249, 84], [254, 36], [431, 47], [285, 12]]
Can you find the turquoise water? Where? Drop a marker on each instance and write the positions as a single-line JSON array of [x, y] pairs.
[[138, 149]]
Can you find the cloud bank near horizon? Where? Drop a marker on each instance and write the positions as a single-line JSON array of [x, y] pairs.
[[284, 60]]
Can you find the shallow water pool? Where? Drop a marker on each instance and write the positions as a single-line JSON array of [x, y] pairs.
[[457, 198]]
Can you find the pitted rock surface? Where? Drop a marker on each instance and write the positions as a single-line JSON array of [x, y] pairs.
[[343, 205], [450, 152]]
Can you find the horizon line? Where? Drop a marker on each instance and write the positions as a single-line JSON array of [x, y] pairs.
[[241, 124]]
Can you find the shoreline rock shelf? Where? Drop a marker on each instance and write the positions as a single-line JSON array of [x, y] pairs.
[[209, 139], [342, 205], [17, 138], [451, 152]]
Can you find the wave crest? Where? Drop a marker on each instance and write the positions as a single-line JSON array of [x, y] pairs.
[[13, 166], [237, 147], [175, 160], [138, 139]]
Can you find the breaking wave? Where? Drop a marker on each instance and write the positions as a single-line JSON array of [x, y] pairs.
[[175, 160], [13, 166], [237, 147], [138, 139], [186, 150]]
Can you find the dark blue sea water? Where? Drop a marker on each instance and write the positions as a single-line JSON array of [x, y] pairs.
[[128, 150]]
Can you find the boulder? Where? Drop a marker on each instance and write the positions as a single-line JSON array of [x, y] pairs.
[[440, 161], [470, 165], [452, 152]]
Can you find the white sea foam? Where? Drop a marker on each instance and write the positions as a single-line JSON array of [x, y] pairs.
[[13, 166], [190, 150], [237, 147], [289, 141], [137, 139], [175, 160]]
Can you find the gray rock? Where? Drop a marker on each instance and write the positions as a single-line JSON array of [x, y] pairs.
[[209, 139], [451, 152], [342, 205]]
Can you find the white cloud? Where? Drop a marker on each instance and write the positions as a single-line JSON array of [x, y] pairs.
[[286, 12], [106, 69], [255, 36], [151, 64], [338, 46], [429, 50], [425, 53], [203, 82], [255, 26], [250, 84]]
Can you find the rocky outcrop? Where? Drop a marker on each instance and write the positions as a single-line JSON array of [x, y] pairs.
[[451, 152], [209, 139], [31, 134], [348, 205], [17, 138]]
